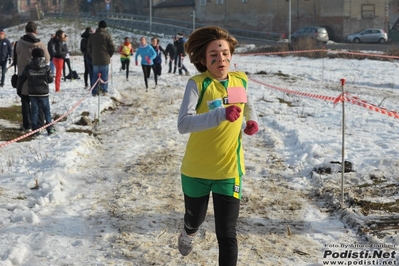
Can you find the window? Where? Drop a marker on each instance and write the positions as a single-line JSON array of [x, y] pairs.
[[245, 1], [27, 2], [202, 2], [368, 11], [219, 2]]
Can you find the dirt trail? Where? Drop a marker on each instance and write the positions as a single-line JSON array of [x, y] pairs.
[[144, 201]]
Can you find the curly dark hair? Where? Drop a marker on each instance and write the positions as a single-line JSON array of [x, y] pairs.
[[199, 40]]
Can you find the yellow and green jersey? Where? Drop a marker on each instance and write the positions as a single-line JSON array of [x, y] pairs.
[[216, 152]]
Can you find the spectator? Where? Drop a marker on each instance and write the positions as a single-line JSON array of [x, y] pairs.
[[147, 54], [59, 56], [38, 75], [126, 50], [157, 62], [51, 50], [67, 60], [100, 48], [5, 55], [179, 43], [23, 50], [171, 51], [86, 57]]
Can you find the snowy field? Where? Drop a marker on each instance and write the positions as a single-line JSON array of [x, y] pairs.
[[110, 193]]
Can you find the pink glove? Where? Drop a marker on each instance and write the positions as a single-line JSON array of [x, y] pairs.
[[233, 113], [148, 60], [137, 63], [252, 127]]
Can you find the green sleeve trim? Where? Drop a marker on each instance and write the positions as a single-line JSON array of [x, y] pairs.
[[205, 84]]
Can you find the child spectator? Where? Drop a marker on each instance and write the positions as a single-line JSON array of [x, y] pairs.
[[38, 75], [126, 50]]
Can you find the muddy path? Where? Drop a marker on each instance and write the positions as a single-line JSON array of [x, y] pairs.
[[278, 224]]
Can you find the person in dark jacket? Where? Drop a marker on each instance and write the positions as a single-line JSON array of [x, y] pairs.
[[51, 51], [101, 47], [86, 57], [59, 56], [22, 57], [67, 61], [38, 75], [179, 43], [5, 54], [171, 51], [157, 62]]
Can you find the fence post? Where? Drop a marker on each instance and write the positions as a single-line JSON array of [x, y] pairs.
[[99, 96], [343, 142]]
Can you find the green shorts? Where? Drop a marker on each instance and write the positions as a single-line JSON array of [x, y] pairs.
[[199, 187]]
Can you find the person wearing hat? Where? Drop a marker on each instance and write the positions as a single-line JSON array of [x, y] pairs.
[[38, 75], [100, 47], [5, 54], [23, 50]]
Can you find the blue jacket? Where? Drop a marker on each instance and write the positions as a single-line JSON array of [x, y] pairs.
[[5, 49], [159, 50], [147, 54]]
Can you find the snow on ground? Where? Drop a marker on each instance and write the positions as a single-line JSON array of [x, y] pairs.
[[110, 194]]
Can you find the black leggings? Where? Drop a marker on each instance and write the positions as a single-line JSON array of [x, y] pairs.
[[157, 69], [68, 63], [125, 65], [147, 72], [226, 211]]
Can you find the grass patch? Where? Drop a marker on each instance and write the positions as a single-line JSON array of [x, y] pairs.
[[281, 100], [87, 131], [12, 113], [368, 206]]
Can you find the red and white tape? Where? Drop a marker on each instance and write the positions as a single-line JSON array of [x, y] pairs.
[[55, 121]]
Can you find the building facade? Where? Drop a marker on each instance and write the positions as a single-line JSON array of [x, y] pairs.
[[341, 16]]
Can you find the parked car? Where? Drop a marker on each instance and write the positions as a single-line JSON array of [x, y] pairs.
[[316, 33], [368, 35]]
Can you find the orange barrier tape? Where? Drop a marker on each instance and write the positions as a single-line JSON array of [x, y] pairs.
[[348, 98], [311, 95], [357, 101]]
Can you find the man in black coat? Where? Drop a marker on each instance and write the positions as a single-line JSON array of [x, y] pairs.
[[179, 43], [86, 57], [171, 51]]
